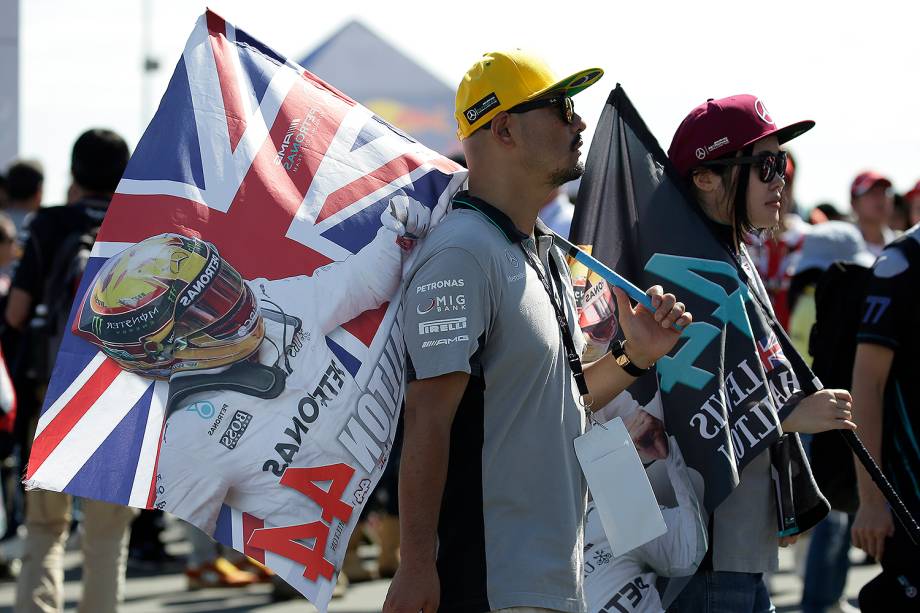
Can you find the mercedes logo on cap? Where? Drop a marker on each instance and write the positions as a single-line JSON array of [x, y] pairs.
[[701, 153], [471, 115], [762, 111], [583, 79]]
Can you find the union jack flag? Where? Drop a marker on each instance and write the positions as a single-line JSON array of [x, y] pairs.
[[216, 162], [771, 353]]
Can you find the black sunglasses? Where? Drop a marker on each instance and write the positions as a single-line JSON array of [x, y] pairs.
[[770, 164], [563, 103]]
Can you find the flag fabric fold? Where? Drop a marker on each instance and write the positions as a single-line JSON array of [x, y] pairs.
[[236, 356]]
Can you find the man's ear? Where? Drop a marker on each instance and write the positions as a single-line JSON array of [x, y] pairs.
[[501, 129], [706, 181]]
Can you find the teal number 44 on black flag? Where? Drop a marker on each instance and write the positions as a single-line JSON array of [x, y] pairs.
[[734, 374]]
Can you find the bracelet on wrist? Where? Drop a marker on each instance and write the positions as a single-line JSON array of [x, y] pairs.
[[618, 349]]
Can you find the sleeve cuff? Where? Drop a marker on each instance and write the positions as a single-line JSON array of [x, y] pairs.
[[790, 406], [877, 339]]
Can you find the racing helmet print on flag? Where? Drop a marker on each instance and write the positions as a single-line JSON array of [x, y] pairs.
[[167, 304]]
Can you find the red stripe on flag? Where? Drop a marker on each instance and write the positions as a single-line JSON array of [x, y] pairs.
[[253, 249], [369, 183], [224, 52], [446, 164], [152, 495], [364, 326], [46, 442], [251, 523]]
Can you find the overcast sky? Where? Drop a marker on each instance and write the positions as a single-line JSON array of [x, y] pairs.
[[852, 67]]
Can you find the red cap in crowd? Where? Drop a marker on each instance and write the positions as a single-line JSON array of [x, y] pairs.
[[721, 127], [865, 181], [915, 191]]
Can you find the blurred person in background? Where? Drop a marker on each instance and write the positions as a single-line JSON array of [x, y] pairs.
[[886, 397], [207, 567], [4, 192], [775, 254], [825, 211], [829, 242], [8, 252], [98, 160], [25, 181], [913, 204], [9, 468], [872, 200], [826, 560], [557, 212]]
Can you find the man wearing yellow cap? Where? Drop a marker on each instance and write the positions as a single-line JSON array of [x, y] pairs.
[[492, 499]]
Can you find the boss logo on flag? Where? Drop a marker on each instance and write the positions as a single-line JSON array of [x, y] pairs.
[[442, 325], [481, 108], [235, 430]]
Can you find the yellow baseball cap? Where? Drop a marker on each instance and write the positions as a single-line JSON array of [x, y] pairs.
[[501, 80]]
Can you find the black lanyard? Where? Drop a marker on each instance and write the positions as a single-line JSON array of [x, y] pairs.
[[567, 341]]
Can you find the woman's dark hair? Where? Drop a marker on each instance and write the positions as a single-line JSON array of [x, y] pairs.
[[737, 186]]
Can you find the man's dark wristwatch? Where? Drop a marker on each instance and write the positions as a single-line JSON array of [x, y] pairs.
[[618, 349]]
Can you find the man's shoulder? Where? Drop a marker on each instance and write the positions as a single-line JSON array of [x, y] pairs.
[[65, 219], [48, 216], [899, 256], [467, 231], [909, 242]]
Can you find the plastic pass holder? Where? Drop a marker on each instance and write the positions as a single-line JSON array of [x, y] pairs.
[[625, 502]]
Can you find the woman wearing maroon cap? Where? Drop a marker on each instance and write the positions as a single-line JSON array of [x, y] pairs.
[[728, 152]]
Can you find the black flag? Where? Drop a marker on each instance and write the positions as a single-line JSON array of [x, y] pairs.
[[734, 374]]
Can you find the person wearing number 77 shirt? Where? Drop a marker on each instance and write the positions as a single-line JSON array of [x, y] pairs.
[[254, 389], [492, 499]]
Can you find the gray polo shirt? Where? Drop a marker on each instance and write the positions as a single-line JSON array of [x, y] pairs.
[[511, 524]]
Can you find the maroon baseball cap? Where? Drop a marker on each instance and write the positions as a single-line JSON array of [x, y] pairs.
[[721, 127], [865, 181]]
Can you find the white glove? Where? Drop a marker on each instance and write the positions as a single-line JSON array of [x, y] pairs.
[[407, 217]]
